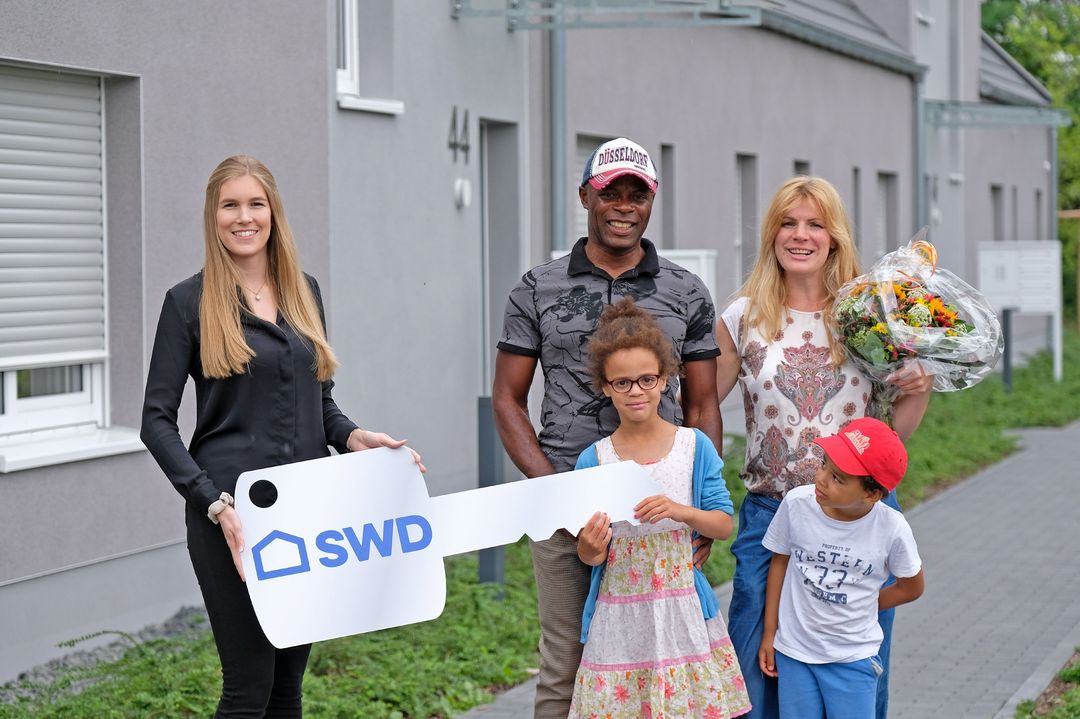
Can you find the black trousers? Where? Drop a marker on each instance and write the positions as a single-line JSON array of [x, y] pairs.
[[258, 680]]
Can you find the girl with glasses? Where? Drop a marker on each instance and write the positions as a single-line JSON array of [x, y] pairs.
[[655, 644]]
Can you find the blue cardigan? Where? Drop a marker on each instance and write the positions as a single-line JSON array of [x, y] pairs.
[[710, 493]]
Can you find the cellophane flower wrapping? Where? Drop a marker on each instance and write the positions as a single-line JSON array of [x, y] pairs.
[[906, 309]]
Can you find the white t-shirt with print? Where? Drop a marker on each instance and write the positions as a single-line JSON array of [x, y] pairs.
[[828, 606]]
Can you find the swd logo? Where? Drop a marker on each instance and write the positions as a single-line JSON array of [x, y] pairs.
[[280, 554]]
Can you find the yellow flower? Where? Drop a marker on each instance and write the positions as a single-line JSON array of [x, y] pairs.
[[880, 328]]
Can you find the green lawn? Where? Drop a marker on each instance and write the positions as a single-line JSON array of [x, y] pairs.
[[483, 643]]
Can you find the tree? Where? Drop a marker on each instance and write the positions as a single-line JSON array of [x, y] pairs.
[[1044, 37]]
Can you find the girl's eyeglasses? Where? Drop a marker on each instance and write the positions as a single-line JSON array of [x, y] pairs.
[[646, 382]]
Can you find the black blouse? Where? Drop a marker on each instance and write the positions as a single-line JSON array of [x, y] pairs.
[[275, 413]]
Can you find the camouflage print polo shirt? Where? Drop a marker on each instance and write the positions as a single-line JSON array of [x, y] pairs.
[[554, 309]]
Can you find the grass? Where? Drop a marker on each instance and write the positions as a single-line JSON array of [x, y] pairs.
[[481, 643], [435, 668], [1063, 701]]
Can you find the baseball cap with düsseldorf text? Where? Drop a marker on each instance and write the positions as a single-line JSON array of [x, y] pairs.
[[616, 158], [867, 447]]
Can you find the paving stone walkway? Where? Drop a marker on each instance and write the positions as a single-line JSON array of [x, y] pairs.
[[1001, 612]]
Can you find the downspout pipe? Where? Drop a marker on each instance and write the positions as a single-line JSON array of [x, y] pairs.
[[557, 124], [922, 209], [1053, 202]]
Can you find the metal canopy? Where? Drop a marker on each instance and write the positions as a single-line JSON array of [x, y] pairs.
[[978, 114], [583, 14]]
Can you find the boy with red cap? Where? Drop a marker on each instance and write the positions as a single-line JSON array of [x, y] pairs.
[[834, 545]]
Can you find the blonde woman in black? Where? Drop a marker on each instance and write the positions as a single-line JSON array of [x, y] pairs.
[[249, 330]]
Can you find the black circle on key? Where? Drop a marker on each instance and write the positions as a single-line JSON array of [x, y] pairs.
[[263, 493]]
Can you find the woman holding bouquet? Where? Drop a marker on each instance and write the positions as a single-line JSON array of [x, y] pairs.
[[797, 385]]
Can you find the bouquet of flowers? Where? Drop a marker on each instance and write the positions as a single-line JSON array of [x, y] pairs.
[[908, 310]]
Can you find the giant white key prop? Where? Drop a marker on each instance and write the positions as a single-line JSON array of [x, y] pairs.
[[353, 543]]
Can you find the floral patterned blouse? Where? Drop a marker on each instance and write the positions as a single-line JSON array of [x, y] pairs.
[[792, 394]]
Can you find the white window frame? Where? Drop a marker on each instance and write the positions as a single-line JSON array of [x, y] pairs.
[[349, 96], [66, 409]]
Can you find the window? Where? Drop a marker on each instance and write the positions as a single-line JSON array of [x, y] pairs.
[[856, 206], [746, 214], [1039, 215], [997, 213], [1015, 214], [585, 146], [667, 197], [365, 56], [52, 251], [887, 215]]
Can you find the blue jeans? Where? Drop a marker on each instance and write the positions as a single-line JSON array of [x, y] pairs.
[[836, 691], [747, 611]]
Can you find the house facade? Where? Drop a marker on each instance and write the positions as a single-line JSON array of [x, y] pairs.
[[427, 155], [109, 128]]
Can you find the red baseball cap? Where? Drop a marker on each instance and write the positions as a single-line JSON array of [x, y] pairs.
[[867, 447]]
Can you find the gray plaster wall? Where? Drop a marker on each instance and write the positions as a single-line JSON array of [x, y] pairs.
[[1016, 159], [1009, 157], [896, 18], [405, 261], [748, 91], [186, 84], [947, 41]]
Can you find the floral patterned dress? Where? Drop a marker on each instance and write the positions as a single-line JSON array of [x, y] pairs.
[[650, 652]]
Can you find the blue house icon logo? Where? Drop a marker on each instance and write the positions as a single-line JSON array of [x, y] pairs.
[[280, 554]]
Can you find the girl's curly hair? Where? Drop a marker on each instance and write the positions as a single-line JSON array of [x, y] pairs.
[[625, 326]]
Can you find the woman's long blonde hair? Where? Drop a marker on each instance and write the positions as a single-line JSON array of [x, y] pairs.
[[223, 349], [765, 289]]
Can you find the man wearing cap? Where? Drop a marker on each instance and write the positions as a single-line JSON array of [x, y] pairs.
[[549, 317]]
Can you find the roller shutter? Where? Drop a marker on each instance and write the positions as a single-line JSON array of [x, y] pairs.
[[52, 269]]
